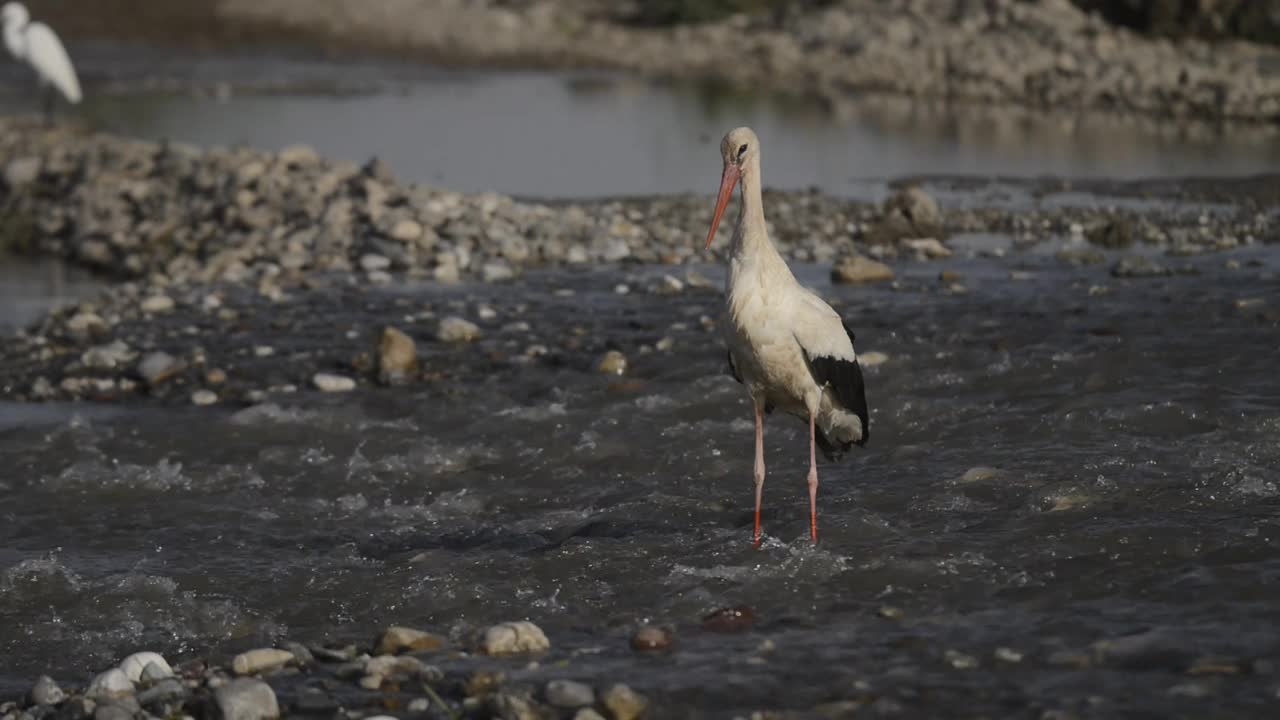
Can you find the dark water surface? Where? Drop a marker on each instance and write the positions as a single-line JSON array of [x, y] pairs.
[[1133, 439], [566, 134]]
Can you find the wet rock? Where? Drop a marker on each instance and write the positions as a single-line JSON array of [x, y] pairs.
[[860, 270], [959, 660], [623, 703], [113, 355], [398, 639], [111, 684], [456, 330], [204, 397], [46, 692], [729, 620], [156, 304], [397, 357], [260, 660], [22, 171], [247, 699], [154, 672], [872, 359], [512, 638], [927, 248], [569, 694], [387, 666], [908, 213], [1158, 648], [651, 638], [588, 714], [77, 707], [84, 326], [112, 711], [979, 474], [1138, 266], [513, 706], [167, 690], [135, 664], [158, 367], [1007, 655], [1117, 233], [613, 363], [333, 383]]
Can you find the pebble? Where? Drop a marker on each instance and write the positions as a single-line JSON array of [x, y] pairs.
[[112, 355], [247, 699], [1009, 655], [333, 383], [204, 397], [624, 703], [651, 638], [569, 694], [134, 665], [872, 359], [22, 171], [110, 684], [1138, 266], [156, 304], [46, 692], [497, 271], [158, 367], [372, 262], [588, 714], [979, 474], [85, 325], [928, 248], [398, 639], [613, 363], [859, 270], [406, 231], [512, 638], [397, 357], [729, 620], [457, 330], [262, 659]]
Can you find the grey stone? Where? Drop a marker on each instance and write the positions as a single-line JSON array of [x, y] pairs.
[[165, 691], [569, 694], [22, 171], [262, 659], [155, 369], [247, 699], [110, 684], [46, 692], [457, 330], [134, 665]]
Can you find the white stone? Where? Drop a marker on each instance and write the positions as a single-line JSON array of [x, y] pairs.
[[329, 382], [512, 638], [137, 662]]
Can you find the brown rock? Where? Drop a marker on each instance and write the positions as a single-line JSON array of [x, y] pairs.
[[397, 358], [857, 270], [398, 639]]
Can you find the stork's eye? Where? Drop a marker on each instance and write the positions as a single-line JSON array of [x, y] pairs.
[[742, 151]]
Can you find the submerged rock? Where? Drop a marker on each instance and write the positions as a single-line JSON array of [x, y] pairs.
[[651, 638], [860, 270], [397, 357], [398, 639], [512, 638], [247, 699], [256, 661], [623, 703], [569, 694], [46, 692]]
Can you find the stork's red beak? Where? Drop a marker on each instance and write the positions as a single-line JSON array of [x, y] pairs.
[[727, 181]]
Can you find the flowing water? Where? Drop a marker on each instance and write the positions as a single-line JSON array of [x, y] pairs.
[[558, 134], [1050, 467]]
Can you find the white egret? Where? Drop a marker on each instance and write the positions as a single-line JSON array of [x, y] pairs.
[[37, 45]]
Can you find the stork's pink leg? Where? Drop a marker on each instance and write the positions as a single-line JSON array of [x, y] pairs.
[[813, 482], [759, 470]]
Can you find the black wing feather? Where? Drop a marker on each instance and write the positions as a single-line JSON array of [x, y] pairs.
[[844, 378]]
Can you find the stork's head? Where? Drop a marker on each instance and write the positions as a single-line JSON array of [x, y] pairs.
[[739, 148], [14, 14]]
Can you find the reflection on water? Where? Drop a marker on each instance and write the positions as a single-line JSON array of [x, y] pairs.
[[557, 134], [30, 288]]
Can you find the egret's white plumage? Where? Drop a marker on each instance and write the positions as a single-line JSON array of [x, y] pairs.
[[789, 347], [37, 45]]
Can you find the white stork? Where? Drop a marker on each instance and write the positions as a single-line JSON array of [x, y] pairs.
[[787, 346], [37, 45]]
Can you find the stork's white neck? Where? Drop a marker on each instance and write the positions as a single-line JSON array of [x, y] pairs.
[[751, 239]]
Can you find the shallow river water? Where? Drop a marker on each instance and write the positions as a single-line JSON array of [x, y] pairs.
[[1069, 502]]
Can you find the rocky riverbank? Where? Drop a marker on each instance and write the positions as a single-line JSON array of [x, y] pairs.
[[242, 273], [404, 672], [1043, 54]]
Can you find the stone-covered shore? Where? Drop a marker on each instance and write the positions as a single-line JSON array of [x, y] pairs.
[[229, 265], [1043, 54]]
